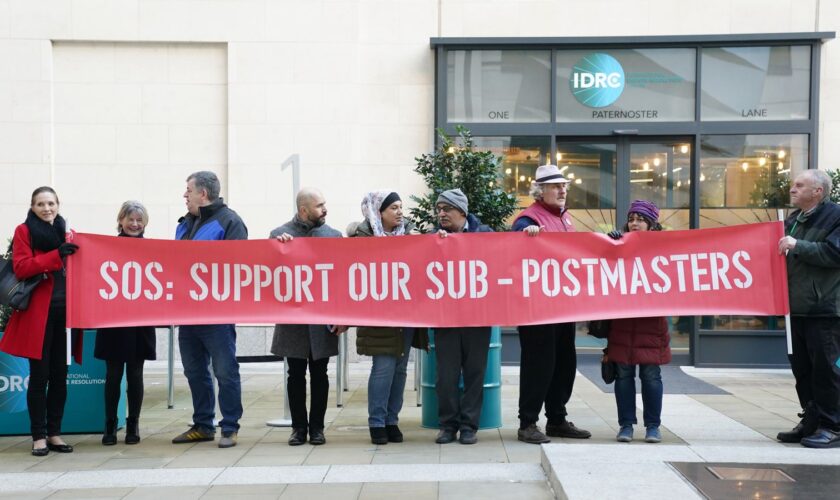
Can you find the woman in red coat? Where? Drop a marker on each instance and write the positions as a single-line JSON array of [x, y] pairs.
[[639, 341], [39, 247]]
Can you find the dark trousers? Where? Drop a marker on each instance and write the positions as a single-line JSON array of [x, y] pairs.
[[461, 351], [547, 370], [134, 387], [815, 358], [319, 384], [47, 390]]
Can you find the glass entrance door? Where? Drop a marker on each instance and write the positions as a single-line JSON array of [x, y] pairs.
[[607, 174]]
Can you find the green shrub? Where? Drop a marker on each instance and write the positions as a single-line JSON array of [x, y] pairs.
[[456, 164]]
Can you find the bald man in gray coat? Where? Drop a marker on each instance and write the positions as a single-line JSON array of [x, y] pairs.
[[303, 345]]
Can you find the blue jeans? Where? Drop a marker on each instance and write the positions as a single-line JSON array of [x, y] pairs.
[[386, 385], [625, 394], [201, 344]]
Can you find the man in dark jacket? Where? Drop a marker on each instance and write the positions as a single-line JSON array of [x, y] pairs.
[[307, 344], [208, 218], [812, 246], [459, 349], [548, 362]]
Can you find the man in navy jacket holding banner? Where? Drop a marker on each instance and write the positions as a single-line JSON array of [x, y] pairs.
[[208, 218]]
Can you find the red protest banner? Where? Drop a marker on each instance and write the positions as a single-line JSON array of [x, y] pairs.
[[462, 280]]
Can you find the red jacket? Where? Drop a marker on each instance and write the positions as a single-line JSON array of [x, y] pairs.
[[639, 341], [24, 336]]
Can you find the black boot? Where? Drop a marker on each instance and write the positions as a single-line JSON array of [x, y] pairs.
[[132, 430], [110, 436], [807, 426]]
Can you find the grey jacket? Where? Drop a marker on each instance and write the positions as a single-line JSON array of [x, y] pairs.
[[299, 341]]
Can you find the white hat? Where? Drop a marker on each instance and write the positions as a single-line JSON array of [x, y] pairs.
[[550, 174]]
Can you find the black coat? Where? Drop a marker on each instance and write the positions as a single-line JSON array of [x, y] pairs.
[[127, 344]]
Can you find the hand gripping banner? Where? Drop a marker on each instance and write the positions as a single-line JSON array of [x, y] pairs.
[[425, 280]]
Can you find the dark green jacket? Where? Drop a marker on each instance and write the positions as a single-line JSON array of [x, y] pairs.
[[813, 265], [377, 340]]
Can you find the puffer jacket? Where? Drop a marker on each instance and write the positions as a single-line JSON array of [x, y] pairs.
[[639, 341], [813, 265], [383, 340]]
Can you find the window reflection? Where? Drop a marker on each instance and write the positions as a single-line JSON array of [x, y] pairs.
[[591, 169], [756, 83], [498, 86], [520, 158], [661, 173], [746, 179]]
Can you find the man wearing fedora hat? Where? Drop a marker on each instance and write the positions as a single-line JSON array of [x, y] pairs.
[[548, 362]]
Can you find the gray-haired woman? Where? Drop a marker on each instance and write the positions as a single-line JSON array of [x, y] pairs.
[[126, 349], [389, 346]]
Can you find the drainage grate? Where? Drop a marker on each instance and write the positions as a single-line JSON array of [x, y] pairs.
[[750, 474]]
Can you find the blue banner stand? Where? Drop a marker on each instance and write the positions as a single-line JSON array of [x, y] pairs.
[[85, 409]]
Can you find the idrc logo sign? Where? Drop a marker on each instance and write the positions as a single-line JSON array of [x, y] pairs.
[[14, 379], [597, 80]]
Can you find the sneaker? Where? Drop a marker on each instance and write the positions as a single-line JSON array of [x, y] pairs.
[[193, 435], [625, 434], [445, 436], [532, 434], [823, 438], [298, 437], [467, 436], [395, 435], [228, 439], [378, 435], [652, 435], [566, 429]]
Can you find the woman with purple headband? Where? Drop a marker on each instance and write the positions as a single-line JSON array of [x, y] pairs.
[[639, 341]]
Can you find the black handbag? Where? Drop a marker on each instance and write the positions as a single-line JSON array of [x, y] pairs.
[[599, 328], [608, 369], [15, 293]]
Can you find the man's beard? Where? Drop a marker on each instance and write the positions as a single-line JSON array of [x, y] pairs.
[[318, 222]]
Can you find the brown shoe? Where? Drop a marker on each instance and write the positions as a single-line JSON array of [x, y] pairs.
[[532, 434], [566, 429]]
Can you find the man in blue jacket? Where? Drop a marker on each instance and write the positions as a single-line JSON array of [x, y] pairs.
[[463, 349], [208, 218]]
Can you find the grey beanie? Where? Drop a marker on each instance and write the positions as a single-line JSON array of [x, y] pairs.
[[456, 198]]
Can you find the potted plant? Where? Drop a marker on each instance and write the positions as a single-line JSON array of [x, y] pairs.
[[457, 164]]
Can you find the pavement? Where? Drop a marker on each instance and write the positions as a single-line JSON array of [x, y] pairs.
[[738, 427]]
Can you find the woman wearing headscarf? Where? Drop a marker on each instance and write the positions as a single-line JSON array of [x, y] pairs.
[[642, 342], [40, 246], [389, 346], [125, 350]]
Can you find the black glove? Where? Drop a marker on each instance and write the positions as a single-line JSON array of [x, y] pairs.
[[615, 234], [66, 249]]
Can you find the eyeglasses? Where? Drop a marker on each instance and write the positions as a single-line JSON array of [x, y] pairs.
[[444, 208]]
